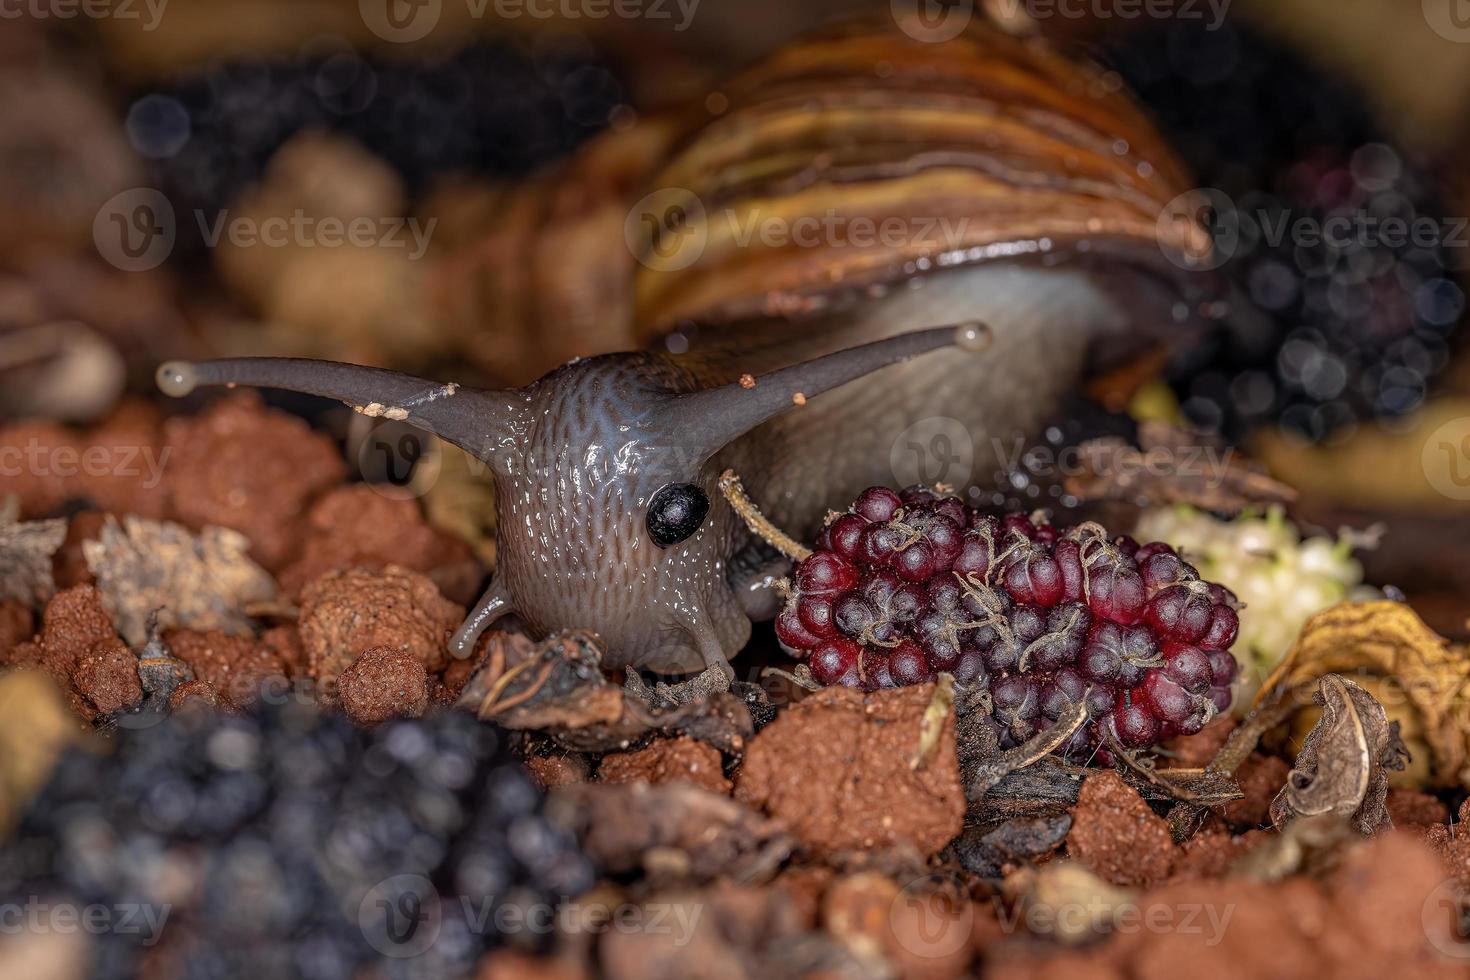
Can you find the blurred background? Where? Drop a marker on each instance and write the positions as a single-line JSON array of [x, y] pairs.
[[137, 139]]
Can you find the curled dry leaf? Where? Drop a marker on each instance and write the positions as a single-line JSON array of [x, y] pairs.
[[147, 569], [557, 688], [1389, 640], [26, 548], [1343, 766], [1172, 466], [675, 831]]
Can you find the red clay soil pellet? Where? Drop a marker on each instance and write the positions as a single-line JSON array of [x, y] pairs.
[[551, 771], [241, 465], [1116, 836], [74, 620], [285, 643], [239, 671], [667, 760], [836, 769], [1198, 750], [40, 487], [344, 613], [129, 442], [17, 625], [106, 677], [69, 565], [1410, 809], [195, 695], [1261, 778], [384, 683], [358, 525]]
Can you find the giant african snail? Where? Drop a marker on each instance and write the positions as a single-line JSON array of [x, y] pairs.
[[1047, 185]]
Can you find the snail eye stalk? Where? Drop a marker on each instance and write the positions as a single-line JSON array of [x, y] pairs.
[[675, 513]]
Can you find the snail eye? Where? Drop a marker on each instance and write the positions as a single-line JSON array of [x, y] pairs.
[[676, 512]]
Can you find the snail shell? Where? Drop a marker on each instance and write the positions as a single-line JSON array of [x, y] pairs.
[[981, 147]]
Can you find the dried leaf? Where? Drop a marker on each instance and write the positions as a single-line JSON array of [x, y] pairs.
[[1201, 787], [26, 548], [1343, 766], [1172, 466], [675, 831], [987, 851], [991, 771], [557, 688], [1185, 818], [1388, 639], [155, 568]]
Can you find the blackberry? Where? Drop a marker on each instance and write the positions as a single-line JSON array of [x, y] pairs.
[[488, 108], [1042, 617], [291, 843], [1325, 330]]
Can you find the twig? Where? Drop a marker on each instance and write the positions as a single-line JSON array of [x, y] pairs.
[[758, 522]]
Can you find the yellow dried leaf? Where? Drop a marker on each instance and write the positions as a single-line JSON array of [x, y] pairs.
[[1388, 639]]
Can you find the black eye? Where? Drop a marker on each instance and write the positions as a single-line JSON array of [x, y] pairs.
[[676, 512]]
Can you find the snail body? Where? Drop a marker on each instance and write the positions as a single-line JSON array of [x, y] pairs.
[[606, 469]]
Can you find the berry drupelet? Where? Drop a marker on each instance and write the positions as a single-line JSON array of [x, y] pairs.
[[905, 586], [277, 842]]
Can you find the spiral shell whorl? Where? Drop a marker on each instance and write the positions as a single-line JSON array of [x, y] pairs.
[[900, 157]]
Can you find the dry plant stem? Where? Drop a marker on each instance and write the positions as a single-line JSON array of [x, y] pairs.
[[1036, 748], [941, 706], [1271, 710], [757, 522], [492, 704]]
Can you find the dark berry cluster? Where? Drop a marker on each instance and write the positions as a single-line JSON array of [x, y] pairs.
[[905, 586], [1323, 328], [489, 108], [292, 844]]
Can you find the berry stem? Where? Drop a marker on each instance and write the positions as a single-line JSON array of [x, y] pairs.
[[758, 523]]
